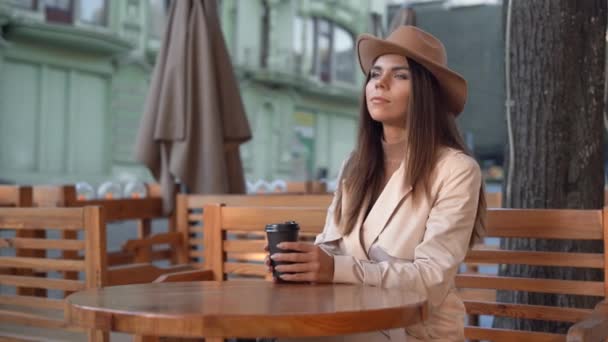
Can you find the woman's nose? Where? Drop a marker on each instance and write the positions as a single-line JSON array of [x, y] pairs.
[[380, 82]]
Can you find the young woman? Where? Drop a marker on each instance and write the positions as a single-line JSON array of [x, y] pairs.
[[410, 199]]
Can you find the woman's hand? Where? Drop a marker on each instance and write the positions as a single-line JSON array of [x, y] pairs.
[[311, 263]]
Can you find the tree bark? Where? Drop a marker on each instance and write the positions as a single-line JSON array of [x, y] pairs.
[[557, 61]]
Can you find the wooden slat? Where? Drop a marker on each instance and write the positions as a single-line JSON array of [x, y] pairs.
[[36, 218], [504, 335], [477, 294], [545, 223], [196, 253], [46, 264], [586, 288], [245, 269], [181, 226], [246, 256], [32, 319], [255, 219], [539, 312], [244, 246], [15, 196], [140, 273], [247, 234], [591, 260], [128, 208], [95, 257], [263, 200], [68, 245], [171, 238], [196, 230], [115, 258], [161, 254], [54, 196], [35, 302], [213, 240], [43, 283], [8, 195], [195, 217], [196, 242]]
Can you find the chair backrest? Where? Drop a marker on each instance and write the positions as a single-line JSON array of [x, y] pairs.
[[533, 224], [230, 250], [189, 215], [37, 272], [308, 187], [494, 199], [15, 196], [20, 196], [140, 210]]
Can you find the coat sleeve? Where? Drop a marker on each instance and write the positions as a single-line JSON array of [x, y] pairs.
[[444, 245]]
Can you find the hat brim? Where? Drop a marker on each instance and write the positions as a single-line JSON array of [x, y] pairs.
[[453, 85]]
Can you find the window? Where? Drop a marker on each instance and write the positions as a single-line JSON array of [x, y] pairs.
[[344, 55], [94, 12], [303, 45], [58, 11], [326, 47]]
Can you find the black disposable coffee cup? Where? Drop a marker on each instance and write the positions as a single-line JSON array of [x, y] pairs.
[[277, 233]]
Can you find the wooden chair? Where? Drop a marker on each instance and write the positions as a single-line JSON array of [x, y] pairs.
[[190, 216], [132, 263], [21, 196], [44, 315], [229, 252], [141, 210], [589, 325]]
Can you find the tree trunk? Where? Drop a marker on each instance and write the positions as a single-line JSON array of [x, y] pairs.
[[556, 83]]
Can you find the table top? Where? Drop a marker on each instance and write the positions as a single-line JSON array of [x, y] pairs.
[[244, 309]]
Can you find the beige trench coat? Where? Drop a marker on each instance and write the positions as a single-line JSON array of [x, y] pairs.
[[417, 245]]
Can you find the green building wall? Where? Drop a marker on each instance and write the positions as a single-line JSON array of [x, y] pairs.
[[71, 96]]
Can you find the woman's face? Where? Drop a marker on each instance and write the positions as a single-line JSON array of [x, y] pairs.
[[387, 93]]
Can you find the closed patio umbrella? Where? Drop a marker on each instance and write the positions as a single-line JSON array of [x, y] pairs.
[[194, 120]]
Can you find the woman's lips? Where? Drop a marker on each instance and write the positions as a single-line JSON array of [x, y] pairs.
[[379, 100]]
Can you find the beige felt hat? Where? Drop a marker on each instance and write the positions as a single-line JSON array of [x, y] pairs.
[[425, 49]]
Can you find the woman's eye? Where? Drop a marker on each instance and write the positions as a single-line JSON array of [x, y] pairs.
[[402, 76], [374, 74]]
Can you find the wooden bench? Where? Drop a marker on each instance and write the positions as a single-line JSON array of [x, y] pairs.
[[18, 311], [478, 290]]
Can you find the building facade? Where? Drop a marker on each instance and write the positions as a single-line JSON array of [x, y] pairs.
[[74, 75]]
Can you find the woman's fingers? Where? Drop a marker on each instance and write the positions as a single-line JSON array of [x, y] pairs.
[[297, 246], [298, 268], [293, 257], [308, 276]]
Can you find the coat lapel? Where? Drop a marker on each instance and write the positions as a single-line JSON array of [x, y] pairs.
[[352, 240], [388, 201]]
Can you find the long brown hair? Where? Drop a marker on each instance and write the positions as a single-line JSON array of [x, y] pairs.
[[429, 127]]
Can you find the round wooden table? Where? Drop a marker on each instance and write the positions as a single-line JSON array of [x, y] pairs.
[[244, 309]]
